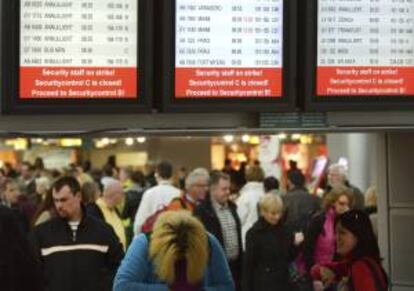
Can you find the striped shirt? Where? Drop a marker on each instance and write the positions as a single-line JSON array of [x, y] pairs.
[[229, 230]]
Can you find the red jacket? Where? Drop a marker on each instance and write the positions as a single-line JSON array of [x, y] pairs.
[[359, 271], [363, 278]]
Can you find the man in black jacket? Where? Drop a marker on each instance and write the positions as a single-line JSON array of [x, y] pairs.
[[300, 204], [219, 216], [77, 252]]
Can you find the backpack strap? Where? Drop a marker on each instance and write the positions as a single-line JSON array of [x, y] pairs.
[[375, 275], [181, 200], [183, 205]]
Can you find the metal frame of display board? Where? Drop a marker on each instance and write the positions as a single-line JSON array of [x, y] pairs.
[[12, 104], [238, 104], [308, 53]]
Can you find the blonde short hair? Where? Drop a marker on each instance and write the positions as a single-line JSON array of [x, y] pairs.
[[271, 202], [178, 235]]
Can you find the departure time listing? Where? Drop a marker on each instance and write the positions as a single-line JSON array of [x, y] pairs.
[[83, 49], [228, 49], [365, 47]]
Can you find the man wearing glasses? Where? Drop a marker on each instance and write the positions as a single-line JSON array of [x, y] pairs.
[[196, 185]]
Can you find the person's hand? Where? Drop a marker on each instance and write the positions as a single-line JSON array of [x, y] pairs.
[[299, 238], [318, 286], [327, 275]]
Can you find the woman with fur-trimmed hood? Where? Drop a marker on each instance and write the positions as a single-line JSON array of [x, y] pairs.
[[179, 255]]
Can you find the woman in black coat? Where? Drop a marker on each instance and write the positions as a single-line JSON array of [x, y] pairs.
[[269, 250]]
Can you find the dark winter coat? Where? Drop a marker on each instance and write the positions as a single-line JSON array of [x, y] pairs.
[[88, 263], [19, 269], [269, 251], [205, 212], [93, 210], [300, 206], [311, 236]]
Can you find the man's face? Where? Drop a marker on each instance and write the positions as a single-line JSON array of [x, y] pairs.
[[123, 175], [335, 178], [11, 193], [221, 191], [116, 194], [26, 172], [68, 204], [198, 191]]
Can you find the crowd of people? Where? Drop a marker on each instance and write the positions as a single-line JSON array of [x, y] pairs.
[[120, 229]]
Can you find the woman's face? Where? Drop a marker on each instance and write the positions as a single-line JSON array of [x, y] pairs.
[[272, 216], [345, 240], [342, 204]]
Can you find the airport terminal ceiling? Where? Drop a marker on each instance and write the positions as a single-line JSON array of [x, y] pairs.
[[206, 124]]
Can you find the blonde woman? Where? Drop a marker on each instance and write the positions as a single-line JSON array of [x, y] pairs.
[[320, 244], [269, 249], [179, 255]]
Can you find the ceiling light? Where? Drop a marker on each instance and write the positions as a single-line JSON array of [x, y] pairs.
[[282, 136], [141, 139], [228, 138], [245, 138], [129, 141]]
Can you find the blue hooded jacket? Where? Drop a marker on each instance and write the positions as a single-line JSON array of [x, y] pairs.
[[136, 272]]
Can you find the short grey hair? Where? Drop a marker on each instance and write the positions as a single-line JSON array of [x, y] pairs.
[[43, 181], [194, 175], [110, 185], [340, 169]]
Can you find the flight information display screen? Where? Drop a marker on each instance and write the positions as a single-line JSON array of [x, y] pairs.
[[84, 49], [228, 49], [365, 48]]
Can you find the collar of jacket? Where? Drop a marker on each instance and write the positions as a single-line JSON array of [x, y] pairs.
[[264, 225], [82, 222], [164, 182], [295, 189], [208, 204]]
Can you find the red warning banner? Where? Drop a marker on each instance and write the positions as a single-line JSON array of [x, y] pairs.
[[78, 83], [228, 83], [362, 81]]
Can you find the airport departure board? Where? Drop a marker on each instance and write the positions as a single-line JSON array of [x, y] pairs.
[[365, 48], [84, 49], [229, 49]]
